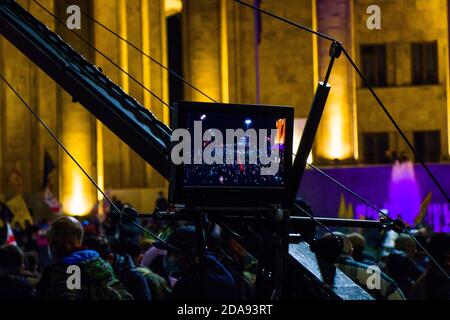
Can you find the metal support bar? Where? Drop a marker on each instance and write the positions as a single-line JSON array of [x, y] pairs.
[[333, 222]]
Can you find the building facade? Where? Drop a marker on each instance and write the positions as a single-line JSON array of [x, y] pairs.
[[233, 55]]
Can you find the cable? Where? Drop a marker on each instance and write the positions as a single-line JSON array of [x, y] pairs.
[[379, 211], [59, 142], [106, 57], [426, 252], [315, 220], [145, 54], [349, 190]]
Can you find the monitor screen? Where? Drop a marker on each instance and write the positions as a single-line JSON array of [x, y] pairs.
[[247, 150]]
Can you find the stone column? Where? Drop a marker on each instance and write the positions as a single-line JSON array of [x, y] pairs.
[[111, 153], [336, 135], [16, 122], [201, 45], [45, 101], [155, 78], [76, 130]]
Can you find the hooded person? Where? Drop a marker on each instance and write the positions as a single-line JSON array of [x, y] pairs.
[[158, 285], [198, 277], [123, 265], [96, 279]]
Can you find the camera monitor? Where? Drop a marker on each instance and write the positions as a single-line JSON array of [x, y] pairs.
[[230, 155]]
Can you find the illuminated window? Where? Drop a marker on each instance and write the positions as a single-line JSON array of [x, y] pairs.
[[424, 63], [374, 65]]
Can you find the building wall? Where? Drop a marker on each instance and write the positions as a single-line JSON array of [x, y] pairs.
[[414, 107]]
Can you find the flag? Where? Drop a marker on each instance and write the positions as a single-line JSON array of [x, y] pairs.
[[49, 166], [52, 202], [10, 238], [342, 208], [20, 211], [345, 212], [350, 213], [423, 209], [258, 21], [49, 197]]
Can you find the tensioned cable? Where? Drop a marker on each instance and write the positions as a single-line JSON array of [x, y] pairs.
[[315, 220], [372, 91], [105, 56], [379, 211], [348, 190], [59, 142], [400, 131], [143, 53]]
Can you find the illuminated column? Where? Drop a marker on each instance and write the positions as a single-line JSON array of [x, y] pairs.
[[76, 128], [202, 48], [16, 122], [23, 138], [45, 101], [109, 156], [337, 137], [224, 51]]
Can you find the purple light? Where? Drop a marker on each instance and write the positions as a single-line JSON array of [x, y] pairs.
[[404, 194], [248, 122]]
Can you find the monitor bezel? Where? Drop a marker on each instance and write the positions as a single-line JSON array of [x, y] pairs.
[[225, 195]]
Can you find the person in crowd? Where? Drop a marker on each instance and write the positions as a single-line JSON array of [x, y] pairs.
[[154, 260], [13, 285], [42, 243], [158, 285], [161, 202], [123, 266], [199, 276], [422, 233], [359, 244], [97, 279], [406, 244], [434, 284], [358, 272], [31, 270], [398, 265]]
